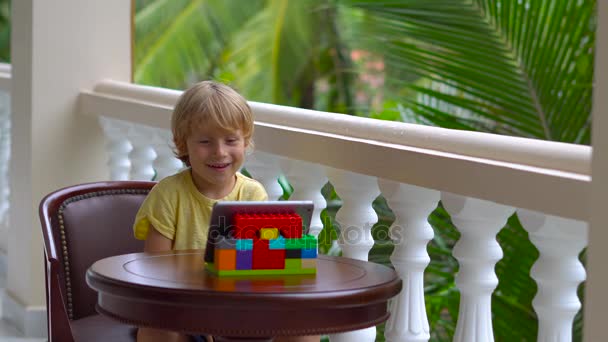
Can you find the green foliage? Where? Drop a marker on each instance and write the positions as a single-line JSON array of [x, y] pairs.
[[5, 31]]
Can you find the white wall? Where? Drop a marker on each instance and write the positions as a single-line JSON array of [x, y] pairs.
[[596, 298]]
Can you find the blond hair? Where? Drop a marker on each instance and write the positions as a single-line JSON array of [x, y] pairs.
[[209, 103]]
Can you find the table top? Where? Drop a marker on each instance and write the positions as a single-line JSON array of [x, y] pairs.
[[172, 290]]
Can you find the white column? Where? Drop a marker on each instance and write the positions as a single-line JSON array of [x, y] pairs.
[[142, 155], [60, 48], [165, 163], [410, 233], [596, 300], [477, 253], [265, 168], [5, 153], [118, 147], [307, 180], [558, 272], [355, 218]]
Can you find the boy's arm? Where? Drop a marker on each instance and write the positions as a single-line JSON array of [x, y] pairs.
[[156, 242]]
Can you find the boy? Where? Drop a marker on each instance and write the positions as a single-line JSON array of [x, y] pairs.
[[212, 126]]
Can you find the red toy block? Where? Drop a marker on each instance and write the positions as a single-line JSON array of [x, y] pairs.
[[266, 258], [245, 226], [290, 226]]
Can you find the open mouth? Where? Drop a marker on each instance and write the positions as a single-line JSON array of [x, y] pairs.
[[218, 166]]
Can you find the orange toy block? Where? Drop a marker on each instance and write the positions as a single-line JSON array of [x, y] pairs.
[[225, 259]]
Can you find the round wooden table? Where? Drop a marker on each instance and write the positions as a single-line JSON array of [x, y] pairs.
[[172, 290]]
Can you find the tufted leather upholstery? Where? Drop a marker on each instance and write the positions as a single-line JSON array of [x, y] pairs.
[[82, 224]]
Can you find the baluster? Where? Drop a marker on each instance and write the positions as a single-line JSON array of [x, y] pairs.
[[117, 147], [265, 168], [477, 253], [355, 218], [142, 156], [410, 233], [307, 180], [557, 272], [165, 163]]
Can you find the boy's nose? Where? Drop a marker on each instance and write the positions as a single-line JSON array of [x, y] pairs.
[[220, 149]]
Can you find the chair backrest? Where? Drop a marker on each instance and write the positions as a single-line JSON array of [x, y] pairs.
[[82, 224]]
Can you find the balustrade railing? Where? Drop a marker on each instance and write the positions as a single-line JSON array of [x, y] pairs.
[[481, 180]]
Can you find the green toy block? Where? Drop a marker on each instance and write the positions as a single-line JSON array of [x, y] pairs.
[[294, 243], [293, 263], [310, 242], [211, 268]]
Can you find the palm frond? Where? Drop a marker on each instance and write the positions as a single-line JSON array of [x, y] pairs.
[[526, 61], [179, 42]]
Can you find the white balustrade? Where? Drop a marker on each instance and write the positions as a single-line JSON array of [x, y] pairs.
[[356, 218], [265, 168], [477, 252], [118, 147], [143, 155], [5, 152], [307, 180], [557, 272], [410, 233], [165, 164]]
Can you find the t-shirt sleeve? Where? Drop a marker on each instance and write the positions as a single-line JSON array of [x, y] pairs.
[[159, 211]]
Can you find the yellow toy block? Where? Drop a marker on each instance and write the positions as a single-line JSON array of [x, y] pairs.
[[269, 233], [309, 263], [225, 259]]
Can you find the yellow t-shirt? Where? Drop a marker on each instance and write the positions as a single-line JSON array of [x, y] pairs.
[[181, 213]]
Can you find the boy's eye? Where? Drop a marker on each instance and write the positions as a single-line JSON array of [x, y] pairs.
[[203, 141]]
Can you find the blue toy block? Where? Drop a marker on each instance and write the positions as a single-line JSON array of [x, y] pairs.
[[244, 244], [244, 259], [278, 243], [309, 253]]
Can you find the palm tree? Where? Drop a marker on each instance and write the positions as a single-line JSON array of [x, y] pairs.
[[515, 67]]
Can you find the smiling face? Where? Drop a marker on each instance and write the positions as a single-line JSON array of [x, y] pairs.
[[215, 156]]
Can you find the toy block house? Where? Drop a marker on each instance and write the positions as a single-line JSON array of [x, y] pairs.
[[263, 244]]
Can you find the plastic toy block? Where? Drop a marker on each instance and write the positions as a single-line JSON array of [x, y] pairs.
[[309, 253], [244, 244], [293, 254], [309, 263], [294, 243], [269, 233], [211, 268], [245, 226], [225, 259], [293, 263], [244, 259], [278, 243], [266, 258], [290, 226], [310, 241], [225, 243]]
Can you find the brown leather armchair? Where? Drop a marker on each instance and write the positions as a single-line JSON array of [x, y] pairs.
[[82, 224]]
